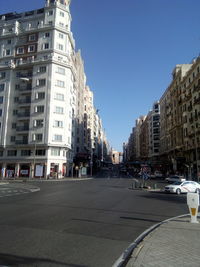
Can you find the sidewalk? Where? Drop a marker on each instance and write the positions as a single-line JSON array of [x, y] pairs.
[[172, 243]]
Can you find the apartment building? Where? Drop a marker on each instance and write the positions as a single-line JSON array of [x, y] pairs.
[[37, 91], [154, 132], [171, 121], [138, 124], [47, 115], [174, 124]]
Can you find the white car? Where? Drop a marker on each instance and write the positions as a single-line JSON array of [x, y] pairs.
[[156, 174], [175, 178], [183, 187]]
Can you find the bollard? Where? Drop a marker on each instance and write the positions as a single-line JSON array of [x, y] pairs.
[[193, 204], [133, 185]]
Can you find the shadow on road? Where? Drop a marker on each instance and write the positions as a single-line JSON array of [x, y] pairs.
[[166, 197], [14, 260], [139, 219]]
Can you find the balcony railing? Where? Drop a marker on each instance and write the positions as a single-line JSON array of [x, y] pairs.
[[23, 114], [24, 88], [197, 101], [22, 128], [21, 142], [24, 101]]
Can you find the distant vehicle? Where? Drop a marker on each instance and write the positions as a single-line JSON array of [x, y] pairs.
[[183, 187], [156, 174], [123, 169], [175, 178]]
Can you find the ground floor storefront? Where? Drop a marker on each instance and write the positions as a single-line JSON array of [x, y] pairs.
[[42, 169]]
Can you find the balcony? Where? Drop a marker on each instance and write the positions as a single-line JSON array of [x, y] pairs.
[[24, 101], [196, 101], [21, 142], [24, 114], [22, 128], [191, 120], [25, 88], [196, 88]]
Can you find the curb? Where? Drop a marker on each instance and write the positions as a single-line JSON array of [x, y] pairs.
[[123, 259]]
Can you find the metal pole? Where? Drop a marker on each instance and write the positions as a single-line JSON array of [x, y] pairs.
[[196, 153], [34, 160]]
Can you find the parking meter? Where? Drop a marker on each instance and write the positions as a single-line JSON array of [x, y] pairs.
[[193, 204]]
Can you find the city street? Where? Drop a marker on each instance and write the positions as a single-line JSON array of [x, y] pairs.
[[80, 223]]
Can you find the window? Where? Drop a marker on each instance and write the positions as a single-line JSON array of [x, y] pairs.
[[40, 152], [20, 50], [11, 153], [14, 125], [46, 46], [58, 124], [25, 152], [60, 35], [59, 96], [2, 75], [1, 99], [39, 109], [47, 34], [38, 123], [32, 37], [60, 83], [61, 24], [31, 48], [50, 13], [37, 137], [16, 99], [40, 95], [42, 69], [15, 112], [41, 82], [8, 52], [60, 47], [0, 112], [57, 137], [62, 14], [61, 70], [2, 87], [9, 41], [12, 138], [55, 152], [17, 86], [1, 153], [59, 110]]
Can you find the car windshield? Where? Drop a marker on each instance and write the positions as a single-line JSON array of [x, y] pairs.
[[177, 183]]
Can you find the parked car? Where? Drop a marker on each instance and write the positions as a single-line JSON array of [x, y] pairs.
[[175, 178], [183, 187], [156, 174]]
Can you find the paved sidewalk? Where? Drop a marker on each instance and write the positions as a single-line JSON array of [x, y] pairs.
[[174, 243]]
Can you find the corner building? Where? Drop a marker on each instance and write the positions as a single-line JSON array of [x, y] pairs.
[[37, 92]]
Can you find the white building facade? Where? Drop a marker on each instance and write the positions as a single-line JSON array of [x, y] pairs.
[[37, 92]]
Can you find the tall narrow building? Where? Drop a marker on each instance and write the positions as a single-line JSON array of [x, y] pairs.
[[37, 91]]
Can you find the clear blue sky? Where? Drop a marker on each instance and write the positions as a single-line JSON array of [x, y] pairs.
[[129, 48]]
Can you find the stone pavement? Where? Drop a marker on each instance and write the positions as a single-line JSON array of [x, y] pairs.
[[173, 243]]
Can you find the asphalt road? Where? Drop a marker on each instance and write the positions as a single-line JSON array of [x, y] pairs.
[[80, 223]]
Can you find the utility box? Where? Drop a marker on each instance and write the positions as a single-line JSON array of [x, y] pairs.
[[193, 205]]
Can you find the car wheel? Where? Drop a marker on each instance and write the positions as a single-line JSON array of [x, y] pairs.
[[178, 191], [197, 191]]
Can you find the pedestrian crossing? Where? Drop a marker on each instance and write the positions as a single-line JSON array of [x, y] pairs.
[[7, 191]]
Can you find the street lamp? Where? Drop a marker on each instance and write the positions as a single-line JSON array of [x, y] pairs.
[[196, 153]]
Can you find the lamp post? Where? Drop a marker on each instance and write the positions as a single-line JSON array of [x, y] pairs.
[[34, 159], [196, 153]]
